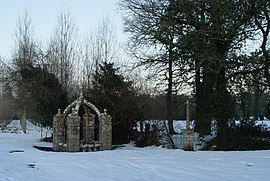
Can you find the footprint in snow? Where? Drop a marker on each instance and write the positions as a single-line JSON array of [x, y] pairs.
[[16, 151], [30, 165]]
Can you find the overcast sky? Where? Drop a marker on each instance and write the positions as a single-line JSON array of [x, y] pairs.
[[86, 14]]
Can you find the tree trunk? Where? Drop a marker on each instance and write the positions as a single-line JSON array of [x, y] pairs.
[[257, 103], [265, 30], [223, 110], [169, 93], [204, 95]]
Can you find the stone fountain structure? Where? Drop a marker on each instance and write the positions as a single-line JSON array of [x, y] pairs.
[[67, 128]]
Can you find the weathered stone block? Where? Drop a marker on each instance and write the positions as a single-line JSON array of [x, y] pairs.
[[58, 133], [73, 133], [188, 139], [88, 128], [105, 132]]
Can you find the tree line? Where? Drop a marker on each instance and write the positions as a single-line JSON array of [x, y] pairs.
[[201, 43], [195, 47], [38, 79]]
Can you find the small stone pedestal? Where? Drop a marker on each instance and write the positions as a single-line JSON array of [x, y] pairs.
[[188, 139]]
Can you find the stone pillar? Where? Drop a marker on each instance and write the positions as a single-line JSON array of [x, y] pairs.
[[188, 139], [58, 132], [187, 115], [73, 133], [88, 128], [105, 131]]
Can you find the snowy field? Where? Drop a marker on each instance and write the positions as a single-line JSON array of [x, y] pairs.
[[20, 161]]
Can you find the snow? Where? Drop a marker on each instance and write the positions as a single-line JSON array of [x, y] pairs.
[[265, 122], [15, 124], [20, 161]]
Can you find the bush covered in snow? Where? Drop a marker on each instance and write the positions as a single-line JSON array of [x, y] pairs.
[[148, 133], [246, 134], [249, 134]]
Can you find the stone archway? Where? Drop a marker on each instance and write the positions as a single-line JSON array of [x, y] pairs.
[[66, 128]]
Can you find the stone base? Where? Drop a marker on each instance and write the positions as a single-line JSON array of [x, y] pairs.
[[188, 139]]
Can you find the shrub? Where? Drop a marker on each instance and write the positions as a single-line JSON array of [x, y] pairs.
[[150, 136], [244, 136]]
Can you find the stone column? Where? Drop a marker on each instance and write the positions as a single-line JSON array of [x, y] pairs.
[[188, 139], [73, 133], [58, 132], [105, 131], [88, 128]]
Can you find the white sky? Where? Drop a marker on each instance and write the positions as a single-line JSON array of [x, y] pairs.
[[86, 14]]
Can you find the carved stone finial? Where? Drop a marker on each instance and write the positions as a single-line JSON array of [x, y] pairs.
[[59, 112], [105, 112], [80, 98], [73, 112]]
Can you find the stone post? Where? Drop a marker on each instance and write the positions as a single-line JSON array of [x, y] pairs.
[[188, 133], [58, 132], [188, 139], [73, 133], [105, 131], [187, 115], [88, 128]]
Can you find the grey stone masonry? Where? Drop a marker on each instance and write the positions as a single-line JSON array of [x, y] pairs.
[[105, 131], [73, 133], [58, 132], [88, 128], [188, 139], [66, 128]]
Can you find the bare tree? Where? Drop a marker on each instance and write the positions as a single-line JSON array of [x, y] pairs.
[[24, 56], [62, 50], [153, 43], [6, 97], [25, 45], [107, 41], [88, 63], [1, 86], [100, 46]]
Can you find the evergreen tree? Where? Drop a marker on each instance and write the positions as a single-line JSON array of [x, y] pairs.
[[44, 91], [112, 92], [7, 102]]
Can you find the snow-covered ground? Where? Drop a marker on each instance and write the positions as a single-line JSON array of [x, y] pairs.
[[20, 161]]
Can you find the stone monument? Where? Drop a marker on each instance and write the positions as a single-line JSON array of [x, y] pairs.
[[188, 133], [67, 128]]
